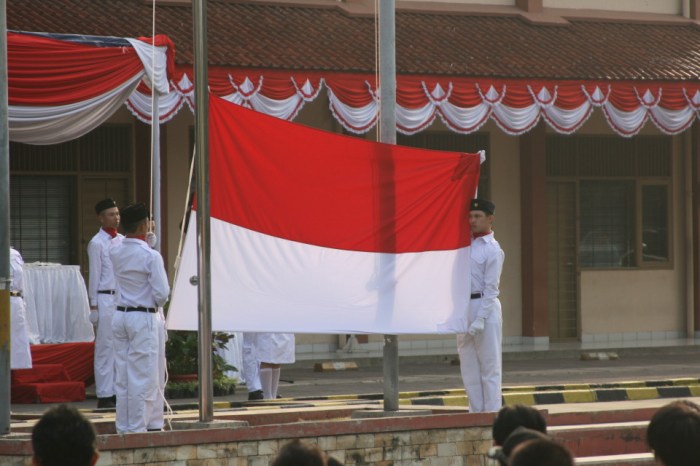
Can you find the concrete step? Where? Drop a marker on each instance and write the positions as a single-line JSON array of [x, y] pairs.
[[634, 459], [602, 439]]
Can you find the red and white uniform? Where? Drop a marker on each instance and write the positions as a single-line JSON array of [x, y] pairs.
[[141, 283], [480, 355], [101, 283]]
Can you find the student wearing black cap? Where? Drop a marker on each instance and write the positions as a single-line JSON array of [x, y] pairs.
[[480, 347], [143, 287], [101, 293]]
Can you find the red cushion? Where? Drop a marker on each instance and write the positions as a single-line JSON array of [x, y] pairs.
[[56, 392], [40, 373]]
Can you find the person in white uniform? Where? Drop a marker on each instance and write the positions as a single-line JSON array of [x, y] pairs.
[[263, 355], [155, 416], [101, 293], [480, 348], [251, 367], [142, 287], [20, 354]]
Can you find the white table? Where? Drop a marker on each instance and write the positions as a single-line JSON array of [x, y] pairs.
[[57, 303]]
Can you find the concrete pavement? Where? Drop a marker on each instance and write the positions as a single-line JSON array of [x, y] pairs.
[[440, 373]]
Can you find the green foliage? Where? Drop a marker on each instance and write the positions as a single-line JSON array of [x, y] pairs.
[[190, 389], [182, 353]]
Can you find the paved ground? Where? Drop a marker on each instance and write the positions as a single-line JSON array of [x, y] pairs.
[[525, 368]]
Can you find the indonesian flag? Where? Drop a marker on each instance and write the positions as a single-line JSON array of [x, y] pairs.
[[315, 232]]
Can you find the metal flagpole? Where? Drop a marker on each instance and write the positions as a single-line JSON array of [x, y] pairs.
[[4, 232], [206, 392], [155, 169], [387, 134]]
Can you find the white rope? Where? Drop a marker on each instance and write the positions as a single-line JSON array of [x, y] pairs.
[[153, 105], [377, 48], [184, 216], [169, 410]]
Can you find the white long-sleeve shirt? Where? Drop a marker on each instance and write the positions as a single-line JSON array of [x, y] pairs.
[[101, 273], [140, 274], [486, 264]]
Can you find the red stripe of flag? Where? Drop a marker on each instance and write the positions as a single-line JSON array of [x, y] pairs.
[[319, 188]]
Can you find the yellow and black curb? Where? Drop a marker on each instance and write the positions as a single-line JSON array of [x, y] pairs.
[[529, 395]]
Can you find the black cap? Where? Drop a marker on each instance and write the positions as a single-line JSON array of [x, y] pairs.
[[133, 214], [105, 204], [483, 205]]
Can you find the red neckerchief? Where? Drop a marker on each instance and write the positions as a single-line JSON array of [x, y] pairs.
[[479, 235], [142, 238], [110, 231]]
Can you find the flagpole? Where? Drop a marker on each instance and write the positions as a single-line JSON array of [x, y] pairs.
[[201, 94], [4, 232], [387, 134]]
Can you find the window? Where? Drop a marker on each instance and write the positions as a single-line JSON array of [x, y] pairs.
[[624, 188], [606, 224], [655, 208], [40, 218]]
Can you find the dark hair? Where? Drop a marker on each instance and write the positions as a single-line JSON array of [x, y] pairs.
[[674, 433], [298, 453], [541, 452], [132, 227], [64, 437], [510, 418], [333, 462]]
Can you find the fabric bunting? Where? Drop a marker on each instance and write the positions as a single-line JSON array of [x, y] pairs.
[[62, 86], [463, 104]]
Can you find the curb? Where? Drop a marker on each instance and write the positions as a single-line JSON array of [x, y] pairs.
[[333, 366]]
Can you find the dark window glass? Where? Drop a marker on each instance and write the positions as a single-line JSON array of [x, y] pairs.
[[607, 224]]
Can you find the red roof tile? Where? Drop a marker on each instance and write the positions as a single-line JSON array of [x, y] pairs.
[[323, 38]]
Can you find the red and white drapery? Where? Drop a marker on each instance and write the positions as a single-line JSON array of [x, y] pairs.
[[63, 86], [463, 104]]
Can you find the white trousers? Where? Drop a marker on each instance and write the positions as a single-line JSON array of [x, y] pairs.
[[20, 354], [104, 347], [480, 362], [154, 416], [251, 364], [136, 343]]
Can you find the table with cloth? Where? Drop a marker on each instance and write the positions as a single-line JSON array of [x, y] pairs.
[[57, 303]]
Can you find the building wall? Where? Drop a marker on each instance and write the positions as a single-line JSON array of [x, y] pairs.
[[669, 7]]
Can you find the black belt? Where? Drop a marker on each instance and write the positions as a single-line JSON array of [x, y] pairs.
[[152, 310], [477, 295], [15, 294], [106, 291]]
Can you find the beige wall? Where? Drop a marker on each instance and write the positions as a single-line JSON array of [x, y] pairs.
[[668, 7], [671, 7], [505, 193]]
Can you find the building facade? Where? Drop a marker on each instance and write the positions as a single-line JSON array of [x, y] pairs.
[[599, 220]]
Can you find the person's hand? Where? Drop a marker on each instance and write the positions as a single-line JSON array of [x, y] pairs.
[[151, 239], [94, 317], [477, 327]]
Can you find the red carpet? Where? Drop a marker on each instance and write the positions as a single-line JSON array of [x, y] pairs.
[[60, 373]]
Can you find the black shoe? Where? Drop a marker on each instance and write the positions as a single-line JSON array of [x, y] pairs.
[[256, 395], [106, 403]]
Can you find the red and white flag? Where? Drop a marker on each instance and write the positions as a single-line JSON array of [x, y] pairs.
[[316, 232]]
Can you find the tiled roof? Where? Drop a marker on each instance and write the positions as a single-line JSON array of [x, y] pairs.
[[326, 38]]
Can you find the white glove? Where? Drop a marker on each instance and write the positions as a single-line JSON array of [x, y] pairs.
[[477, 327], [94, 317], [151, 239]]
